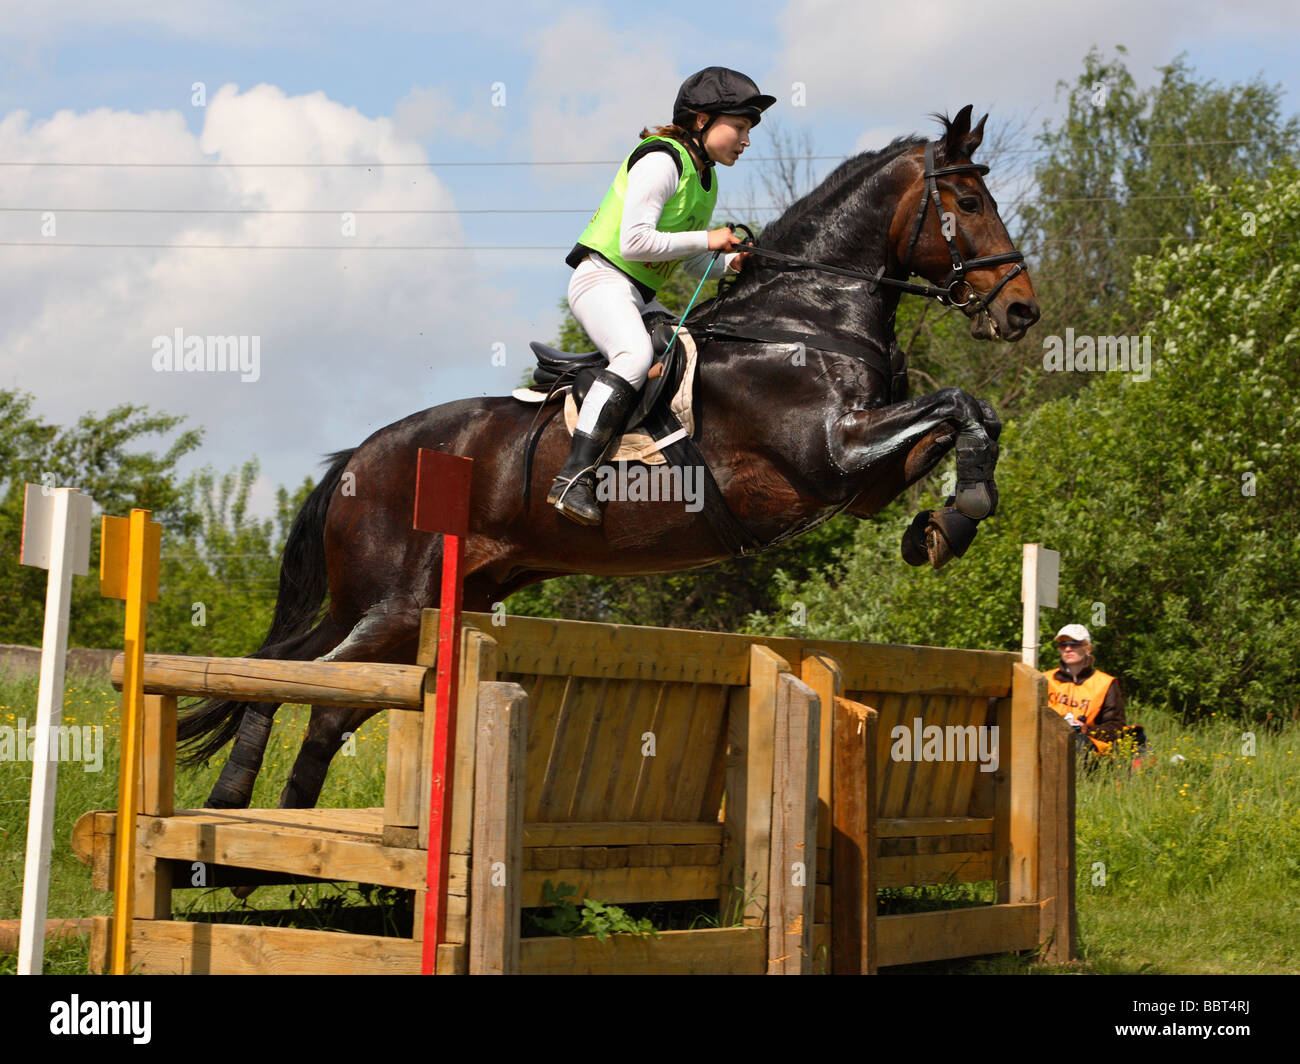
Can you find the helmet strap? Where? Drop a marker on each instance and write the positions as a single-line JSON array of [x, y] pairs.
[[698, 136]]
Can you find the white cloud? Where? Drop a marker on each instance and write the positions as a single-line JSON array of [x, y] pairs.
[[898, 62], [349, 340], [426, 113], [592, 88]]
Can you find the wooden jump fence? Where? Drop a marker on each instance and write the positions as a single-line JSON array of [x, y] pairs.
[[638, 765]]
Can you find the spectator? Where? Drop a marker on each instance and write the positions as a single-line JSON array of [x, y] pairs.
[[1090, 700]]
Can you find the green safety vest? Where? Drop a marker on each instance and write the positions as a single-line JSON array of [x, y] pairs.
[[688, 209]]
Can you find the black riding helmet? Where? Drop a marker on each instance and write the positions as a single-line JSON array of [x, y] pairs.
[[717, 91]]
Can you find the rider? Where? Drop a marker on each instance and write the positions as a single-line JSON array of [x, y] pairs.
[[653, 218]]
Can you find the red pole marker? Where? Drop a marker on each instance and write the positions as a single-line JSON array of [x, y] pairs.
[[442, 483]]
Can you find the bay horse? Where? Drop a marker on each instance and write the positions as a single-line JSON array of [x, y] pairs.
[[789, 441]]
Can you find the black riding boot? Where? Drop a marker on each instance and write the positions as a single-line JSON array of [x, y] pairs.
[[574, 490]]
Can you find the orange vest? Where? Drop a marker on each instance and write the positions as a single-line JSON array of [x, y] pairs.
[[1084, 700]]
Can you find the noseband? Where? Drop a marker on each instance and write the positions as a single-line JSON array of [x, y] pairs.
[[960, 266]]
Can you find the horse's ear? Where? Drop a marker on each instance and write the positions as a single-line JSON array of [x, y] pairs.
[[974, 138], [957, 130]]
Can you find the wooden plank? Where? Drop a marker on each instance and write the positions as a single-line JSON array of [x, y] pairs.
[[641, 833], [920, 869], [1026, 725], [353, 685], [699, 755], [402, 778], [618, 652], [792, 875], [853, 842], [918, 670], [900, 772], [477, 667], [941, 776], [627, 885], [580, 648], [179, 947], [1056, 872], [821, 672], [322, 855], [1001, 803], [896, 827], [152, 883], [496, 881], [765, 667], [712, 951], [914, 938], [733, 889], [158, 756]]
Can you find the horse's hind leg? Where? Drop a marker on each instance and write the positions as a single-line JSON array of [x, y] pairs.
[[325, 736], [389, 631], [234, 787]]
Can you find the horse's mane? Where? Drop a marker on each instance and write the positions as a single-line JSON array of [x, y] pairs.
[[804, 219], [810, 208]]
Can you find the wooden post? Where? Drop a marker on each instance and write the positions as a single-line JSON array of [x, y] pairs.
[[496, 873], [759, 735], [1056, 872], [792, 875], [56, 536], [1028, 695], [442, 489], [855, 846], [128, 569], [153, 891]]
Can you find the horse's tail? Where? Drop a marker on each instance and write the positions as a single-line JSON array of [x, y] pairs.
[[303, 585]]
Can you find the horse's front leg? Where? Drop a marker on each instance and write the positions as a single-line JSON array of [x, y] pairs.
[[890, 448]]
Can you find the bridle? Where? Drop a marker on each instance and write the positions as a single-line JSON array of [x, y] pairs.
[[945, 293], [960, 266]]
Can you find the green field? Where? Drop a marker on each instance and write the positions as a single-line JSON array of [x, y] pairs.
[[1190, 867]]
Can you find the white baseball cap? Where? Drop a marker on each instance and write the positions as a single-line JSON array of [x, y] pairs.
[[1074, 631]]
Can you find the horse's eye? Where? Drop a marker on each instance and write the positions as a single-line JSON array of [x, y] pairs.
[[970, 204]]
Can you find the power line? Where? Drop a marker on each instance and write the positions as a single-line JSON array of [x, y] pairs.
[[502, 210], [434, 247], [376, 165], [289, 247]]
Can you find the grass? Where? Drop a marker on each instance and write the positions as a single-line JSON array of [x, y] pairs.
[[1188, 867]]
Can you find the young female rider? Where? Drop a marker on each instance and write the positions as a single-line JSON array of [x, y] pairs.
[[654, 216]]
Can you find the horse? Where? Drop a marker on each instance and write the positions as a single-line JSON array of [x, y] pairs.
[[794, 430]]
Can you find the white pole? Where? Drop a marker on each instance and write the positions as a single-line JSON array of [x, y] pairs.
[[65, 537], [1040, 579], [1029, 596]]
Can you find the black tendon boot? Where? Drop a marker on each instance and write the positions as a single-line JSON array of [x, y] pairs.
[[574, 490]]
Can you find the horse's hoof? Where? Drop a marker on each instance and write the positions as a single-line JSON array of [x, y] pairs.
[[948, 535], [914, 548]]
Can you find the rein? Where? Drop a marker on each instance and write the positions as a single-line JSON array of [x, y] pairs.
[[945, 293]]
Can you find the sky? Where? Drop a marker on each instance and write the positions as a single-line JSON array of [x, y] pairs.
[[377, 199]]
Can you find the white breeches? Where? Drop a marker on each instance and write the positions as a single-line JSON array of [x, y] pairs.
[[609, 307]]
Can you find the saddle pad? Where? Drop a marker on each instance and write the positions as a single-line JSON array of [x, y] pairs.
[[639, 446]]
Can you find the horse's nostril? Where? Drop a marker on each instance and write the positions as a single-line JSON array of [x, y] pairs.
[[1023, 314]]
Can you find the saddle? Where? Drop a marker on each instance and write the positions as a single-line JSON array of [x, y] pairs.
[[567, 375]]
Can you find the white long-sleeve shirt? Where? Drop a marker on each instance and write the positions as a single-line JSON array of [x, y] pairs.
[[650, 184]]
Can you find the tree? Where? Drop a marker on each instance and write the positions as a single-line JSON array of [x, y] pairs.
[[99, 456]]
